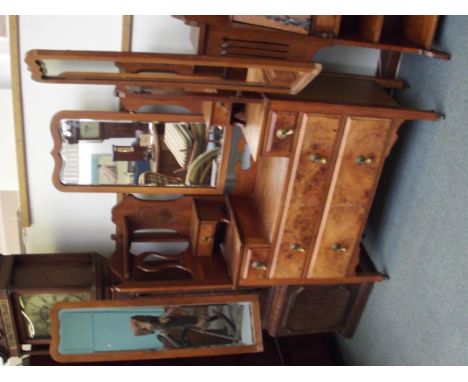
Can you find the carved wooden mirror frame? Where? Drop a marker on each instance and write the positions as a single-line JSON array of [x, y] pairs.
[[141, 189], [190, 72]]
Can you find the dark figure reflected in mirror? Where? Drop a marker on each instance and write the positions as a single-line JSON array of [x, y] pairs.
[[188, 327]]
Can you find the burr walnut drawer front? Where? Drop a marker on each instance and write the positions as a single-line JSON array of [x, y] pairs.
[[255, 265], [309, 188], [337, 242], [281, 133], [363, 151]]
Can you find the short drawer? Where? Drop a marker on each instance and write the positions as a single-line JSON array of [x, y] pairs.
[[281, 133], [255, 265], [310, 184], [205, 239], [338, 242], [364, 150], [221, 113]]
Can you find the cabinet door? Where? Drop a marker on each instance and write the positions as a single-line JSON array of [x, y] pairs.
[[308, 309]]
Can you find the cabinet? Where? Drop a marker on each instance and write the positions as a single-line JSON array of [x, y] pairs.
[[318, 160]]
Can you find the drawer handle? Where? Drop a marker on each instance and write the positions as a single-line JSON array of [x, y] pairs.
[[259, 265], [297, 248], [284, 133], [207, 238], [337, 247], [361, 160], [315, 158]]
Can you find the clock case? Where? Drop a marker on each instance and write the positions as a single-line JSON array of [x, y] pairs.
[[24, 275]]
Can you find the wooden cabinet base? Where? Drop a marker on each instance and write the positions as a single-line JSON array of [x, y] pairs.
[[298, 310]]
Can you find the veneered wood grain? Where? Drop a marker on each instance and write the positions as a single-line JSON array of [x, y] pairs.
[[310, 188], [367, 138], [342, 227]]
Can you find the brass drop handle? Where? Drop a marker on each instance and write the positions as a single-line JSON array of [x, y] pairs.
[[258, 265], [337, 247], [207, 238], [361, 160], [318, 159], [284, 133], [297, 248]]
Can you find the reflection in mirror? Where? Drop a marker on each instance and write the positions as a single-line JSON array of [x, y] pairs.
[[155, 328], [159, 154]]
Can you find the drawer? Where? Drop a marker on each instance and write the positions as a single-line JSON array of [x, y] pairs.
[[255, 265], [221, 113], [310, 185], [205, 241], [282, 130], [365, 141], [337, 242]]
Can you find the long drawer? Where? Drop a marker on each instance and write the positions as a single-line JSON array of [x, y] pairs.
[[308, 192]]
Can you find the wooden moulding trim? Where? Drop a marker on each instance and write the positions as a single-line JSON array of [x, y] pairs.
[[356, 110], [359, 279], [19, 122], [145, 117], [172, 286], [127, 30], [169, 353], [412, 48], [160, 58]]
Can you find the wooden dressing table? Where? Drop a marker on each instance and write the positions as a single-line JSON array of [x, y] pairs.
[[288, 230]]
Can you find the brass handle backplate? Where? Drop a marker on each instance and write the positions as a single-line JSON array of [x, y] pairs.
[[361, 160], [337, 247], [258, 265], [284, 133], [297, 248], [318, 159], [207, 238]]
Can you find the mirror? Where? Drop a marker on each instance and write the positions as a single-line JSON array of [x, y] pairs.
[[162, 328], [145, 153], [190, 72]]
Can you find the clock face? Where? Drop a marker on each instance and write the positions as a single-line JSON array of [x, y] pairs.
[[35, 309], [89, 129]]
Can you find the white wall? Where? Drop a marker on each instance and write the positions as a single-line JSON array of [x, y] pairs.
[[77, 221], [8, 169], [163, 34], [64, 221]]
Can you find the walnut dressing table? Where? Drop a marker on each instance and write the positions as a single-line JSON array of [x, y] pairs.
[[290, 228]]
